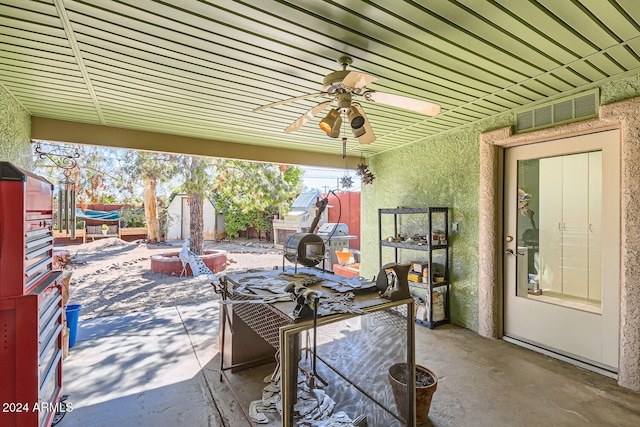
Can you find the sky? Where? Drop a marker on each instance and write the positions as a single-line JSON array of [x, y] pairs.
[[314, 178], [325, 179]]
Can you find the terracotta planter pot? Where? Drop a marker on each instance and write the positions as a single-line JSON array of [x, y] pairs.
[[424, 394]]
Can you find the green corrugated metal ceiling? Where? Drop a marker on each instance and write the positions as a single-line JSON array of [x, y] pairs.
[[199, 68]]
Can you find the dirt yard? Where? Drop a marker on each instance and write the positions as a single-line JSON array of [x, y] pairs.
[[111, 276]]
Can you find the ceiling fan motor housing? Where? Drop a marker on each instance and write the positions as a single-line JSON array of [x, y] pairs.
[[344, 101], [333, 81]]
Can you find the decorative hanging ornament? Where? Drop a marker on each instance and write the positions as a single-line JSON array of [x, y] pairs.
[[365, 173], [346, 182]]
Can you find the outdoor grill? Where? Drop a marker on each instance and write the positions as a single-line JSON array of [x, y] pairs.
[[304, 248], [31, 312], [336, 237]]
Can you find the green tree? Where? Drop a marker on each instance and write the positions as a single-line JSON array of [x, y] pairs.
[[248, 193], [235, 220], [153, 168], [262, 221], [198, 176], [96, 177]]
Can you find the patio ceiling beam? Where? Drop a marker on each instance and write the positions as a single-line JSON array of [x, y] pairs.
[[46, 129]]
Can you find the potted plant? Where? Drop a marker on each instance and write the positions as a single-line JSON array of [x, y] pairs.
[[105, 229], [426, 385]]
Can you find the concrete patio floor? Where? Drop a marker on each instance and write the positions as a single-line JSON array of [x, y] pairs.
[[160, 368]]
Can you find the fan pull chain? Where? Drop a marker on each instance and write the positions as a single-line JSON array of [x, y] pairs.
[[344, 138]]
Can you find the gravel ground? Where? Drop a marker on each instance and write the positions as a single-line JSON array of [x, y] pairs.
[[111, 276]]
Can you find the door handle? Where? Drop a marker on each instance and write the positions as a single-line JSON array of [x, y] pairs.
[[511, 252]]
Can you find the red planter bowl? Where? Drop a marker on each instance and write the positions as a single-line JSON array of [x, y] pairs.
[[169, 263]]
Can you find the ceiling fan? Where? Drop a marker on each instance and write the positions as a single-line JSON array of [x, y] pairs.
[[343, 87]]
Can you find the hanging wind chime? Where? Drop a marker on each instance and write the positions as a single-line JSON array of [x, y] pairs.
[[345, 181], [67, 205], [66, 213]]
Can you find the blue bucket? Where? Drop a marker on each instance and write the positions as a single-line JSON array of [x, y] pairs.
[[73, 312]]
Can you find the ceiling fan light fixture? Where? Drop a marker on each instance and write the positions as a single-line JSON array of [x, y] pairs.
[[327, 124], [335, 132], [355, 118], [357, 133]]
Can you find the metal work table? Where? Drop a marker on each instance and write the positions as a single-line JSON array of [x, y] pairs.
[[252, 333]]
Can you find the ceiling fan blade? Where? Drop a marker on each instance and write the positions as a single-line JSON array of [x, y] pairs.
[[411, 104], [368, 136], [358, 80], [307, 116], [297, 98]]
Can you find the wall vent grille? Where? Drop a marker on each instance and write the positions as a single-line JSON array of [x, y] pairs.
[[580, 107]]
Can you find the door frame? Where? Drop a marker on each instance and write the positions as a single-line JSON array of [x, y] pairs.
[[621, 115], [592, 341]]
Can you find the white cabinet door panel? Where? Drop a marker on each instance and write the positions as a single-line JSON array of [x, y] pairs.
[[550, 218], [575, 224]]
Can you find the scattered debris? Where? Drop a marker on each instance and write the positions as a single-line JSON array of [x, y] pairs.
[[270, 401], [340, 304], [313, 408]]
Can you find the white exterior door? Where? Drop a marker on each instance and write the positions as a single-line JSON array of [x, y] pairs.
[[562, 234]]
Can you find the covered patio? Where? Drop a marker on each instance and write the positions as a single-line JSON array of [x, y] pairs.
[[191, 77], [169, 375]]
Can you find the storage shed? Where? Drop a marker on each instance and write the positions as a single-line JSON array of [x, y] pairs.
[[180, 219]]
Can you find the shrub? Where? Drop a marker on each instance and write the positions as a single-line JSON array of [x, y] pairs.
[[132, 217]]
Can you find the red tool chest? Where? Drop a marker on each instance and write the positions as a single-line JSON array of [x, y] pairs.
[[31, 311]]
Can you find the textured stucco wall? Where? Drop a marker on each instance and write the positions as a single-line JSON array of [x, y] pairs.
[[620, 89], [442, 171], [445, 171], [15, 131]]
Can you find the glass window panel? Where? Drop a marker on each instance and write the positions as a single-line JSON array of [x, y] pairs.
[[558, 240], [354, 359]]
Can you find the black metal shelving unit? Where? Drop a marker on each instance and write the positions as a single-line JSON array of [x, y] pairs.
[[428, 247]]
